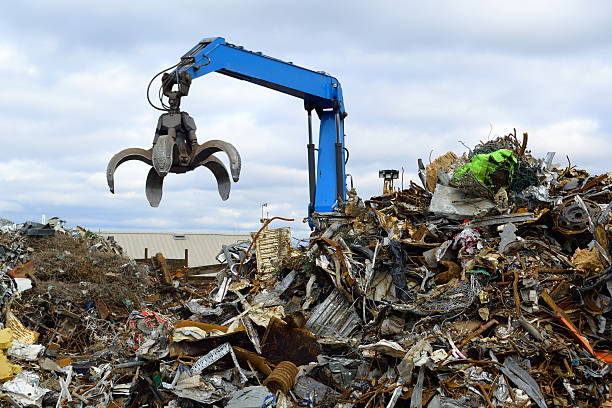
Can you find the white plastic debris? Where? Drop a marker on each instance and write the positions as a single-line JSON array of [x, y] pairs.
[[26, 352], [386, 347], [249, 397], [205, 389], [23, 284], [192, 333], [64, 391], [197, 309], [24, 390]]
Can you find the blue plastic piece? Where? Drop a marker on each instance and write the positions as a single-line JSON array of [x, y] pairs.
[[269, 401], [320, 92]]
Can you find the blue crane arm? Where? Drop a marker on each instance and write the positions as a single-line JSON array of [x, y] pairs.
[[320, 92], [319, 89]]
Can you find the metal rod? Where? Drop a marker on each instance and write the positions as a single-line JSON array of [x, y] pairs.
[[309, 127], [337, 126], [339, 163], [312, 180]]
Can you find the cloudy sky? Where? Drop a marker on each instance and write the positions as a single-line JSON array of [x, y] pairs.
[[418, 77]]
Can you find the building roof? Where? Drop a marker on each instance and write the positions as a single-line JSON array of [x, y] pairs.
[[203, 248]]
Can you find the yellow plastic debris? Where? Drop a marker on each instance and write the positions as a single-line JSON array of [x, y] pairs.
[[20, 332], [7, 370], [6, 339]]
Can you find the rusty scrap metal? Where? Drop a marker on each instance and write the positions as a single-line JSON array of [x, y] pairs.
[[282, 378], [477, 332], [571, 217], [281, 342]]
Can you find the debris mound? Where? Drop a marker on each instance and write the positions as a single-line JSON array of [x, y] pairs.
[[69, 274], [489, 285]]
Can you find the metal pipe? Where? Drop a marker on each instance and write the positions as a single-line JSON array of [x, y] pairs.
[[312, 181], [339, 162], [337, 126], [310, 127]]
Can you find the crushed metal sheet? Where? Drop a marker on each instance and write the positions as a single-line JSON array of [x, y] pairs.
[[452, 203]]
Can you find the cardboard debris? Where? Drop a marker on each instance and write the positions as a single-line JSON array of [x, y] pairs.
[[587, 260], [441, 163]]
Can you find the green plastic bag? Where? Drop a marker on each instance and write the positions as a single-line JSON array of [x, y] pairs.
[[483, 166]]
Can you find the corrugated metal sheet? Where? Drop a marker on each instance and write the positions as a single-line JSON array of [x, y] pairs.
[[203, 248], [334, 317]]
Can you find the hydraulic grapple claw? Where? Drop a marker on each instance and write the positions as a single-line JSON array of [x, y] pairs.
[[175, 150], [122, 157], [207, 149]]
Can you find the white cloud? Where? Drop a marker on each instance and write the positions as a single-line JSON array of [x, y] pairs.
[[10, 206], [579, 139], [417, 78], [14, 62]]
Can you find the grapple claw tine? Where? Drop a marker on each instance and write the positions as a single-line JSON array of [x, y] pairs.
[[163, 152], [154, 187], [205, 150], [121, 157], [218, 169]]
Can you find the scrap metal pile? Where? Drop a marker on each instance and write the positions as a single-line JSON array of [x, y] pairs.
[[489, 286]]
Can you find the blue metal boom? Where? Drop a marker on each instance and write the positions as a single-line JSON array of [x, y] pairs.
[[319, 91]]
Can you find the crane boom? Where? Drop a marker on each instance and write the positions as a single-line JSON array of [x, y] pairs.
[[319, 91]]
